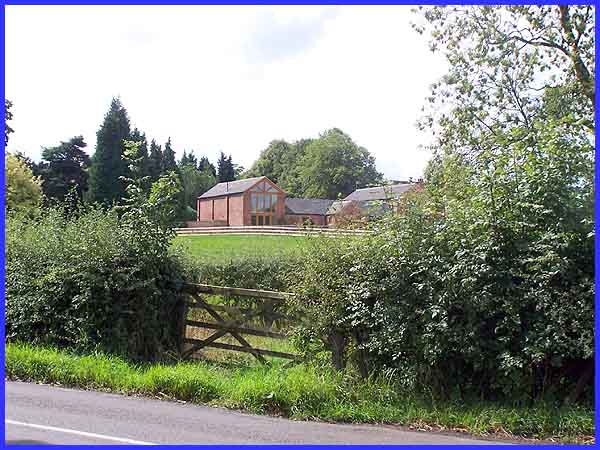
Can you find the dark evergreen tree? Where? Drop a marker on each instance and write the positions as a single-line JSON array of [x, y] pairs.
[[169, 162], [188, 159], [65, 169], [225, 170], [205, 165], [155, 161], [107, 163], [231, 169]]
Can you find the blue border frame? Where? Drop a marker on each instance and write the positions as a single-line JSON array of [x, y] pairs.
[[300, 2]]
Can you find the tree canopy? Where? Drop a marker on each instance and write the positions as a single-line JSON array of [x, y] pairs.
[[65, 169], [23, 189], [329, 166]]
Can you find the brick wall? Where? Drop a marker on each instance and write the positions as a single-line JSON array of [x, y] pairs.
[[236, 210], [298, 219]]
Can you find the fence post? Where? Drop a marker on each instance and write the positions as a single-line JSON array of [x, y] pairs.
[[337, 342], [181, 326]]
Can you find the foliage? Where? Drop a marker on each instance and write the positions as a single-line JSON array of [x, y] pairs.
[[95, 278], [206, 165], [108, 165], [279, 162], [168, 160], [188, 159], [335, 166], [504, 63], [138, 136], [225, 169], [195, 183], [7, 116], [485, 285], [299, 392], [155, 161], [64, 169], [23, 189], [326, 167], [252, 272]]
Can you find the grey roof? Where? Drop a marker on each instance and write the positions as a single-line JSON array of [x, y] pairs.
[[230, 187], [307, 206], [337, 206], [380, 192]]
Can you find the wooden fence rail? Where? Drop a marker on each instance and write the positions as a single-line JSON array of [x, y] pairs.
[[265, 302], [272, 230]]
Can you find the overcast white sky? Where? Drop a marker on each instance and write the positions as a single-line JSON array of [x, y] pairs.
[[222, 78]]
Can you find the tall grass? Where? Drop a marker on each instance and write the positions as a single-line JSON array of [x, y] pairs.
[[299, 392]]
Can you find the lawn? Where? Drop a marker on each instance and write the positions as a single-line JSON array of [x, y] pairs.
[[220, 247]]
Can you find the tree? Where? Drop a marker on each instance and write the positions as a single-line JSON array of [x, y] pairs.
[[23, 189], [195, 182], [238, 171], [487, 89], [225, 169], [7, 116], [333, 165], [65, 169], [273, 161], [188, 159], [169, 162], [155, 161], [509, 195], [205, 164], [106, 185], [137, 136]]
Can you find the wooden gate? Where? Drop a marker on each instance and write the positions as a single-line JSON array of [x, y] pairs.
[[265, 305]]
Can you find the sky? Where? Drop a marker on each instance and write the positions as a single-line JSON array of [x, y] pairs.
[[222, 78]]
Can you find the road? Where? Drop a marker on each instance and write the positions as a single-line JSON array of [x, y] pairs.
[[40, 414]]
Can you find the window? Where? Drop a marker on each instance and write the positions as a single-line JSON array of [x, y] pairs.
[[263, 204]]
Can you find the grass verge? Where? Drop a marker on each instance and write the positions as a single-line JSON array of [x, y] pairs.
[[299, 392]]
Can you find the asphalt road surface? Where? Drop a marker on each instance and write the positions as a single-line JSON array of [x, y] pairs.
[[40, 414]]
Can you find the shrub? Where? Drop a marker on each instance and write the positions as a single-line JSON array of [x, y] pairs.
[[97, 279], [89, 282], [484, 286], [268, 273]]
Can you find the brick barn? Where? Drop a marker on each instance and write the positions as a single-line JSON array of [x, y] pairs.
[[259, 201], [253, 201]]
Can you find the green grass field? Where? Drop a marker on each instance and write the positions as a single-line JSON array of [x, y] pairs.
[[219, 247]]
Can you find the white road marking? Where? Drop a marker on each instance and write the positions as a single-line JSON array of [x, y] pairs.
[[77, 432]]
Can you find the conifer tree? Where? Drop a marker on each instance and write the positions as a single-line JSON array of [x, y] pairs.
[[155, 161], [225, 170], [169, 162], [105, 185], [206, 165], [188, 159]]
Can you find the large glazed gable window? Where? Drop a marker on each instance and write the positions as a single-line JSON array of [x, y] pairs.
[[263, 204]]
